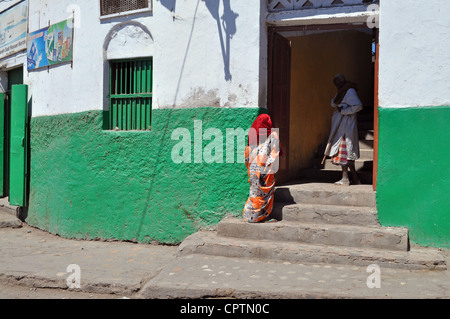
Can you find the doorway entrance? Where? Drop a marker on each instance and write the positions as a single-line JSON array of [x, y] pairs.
[[302, 63], [14, 121]]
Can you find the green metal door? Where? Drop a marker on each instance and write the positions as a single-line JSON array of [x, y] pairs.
[[18, 146], [2, 144]]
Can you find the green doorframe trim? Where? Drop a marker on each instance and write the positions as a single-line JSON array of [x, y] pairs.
[[2, 144]]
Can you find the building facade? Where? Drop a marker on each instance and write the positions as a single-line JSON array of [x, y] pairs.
[[414, 113], [136, 115]]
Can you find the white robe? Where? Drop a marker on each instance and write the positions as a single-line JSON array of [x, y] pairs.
[[351, 105]]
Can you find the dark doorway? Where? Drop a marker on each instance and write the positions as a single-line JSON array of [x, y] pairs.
[[302, 62]]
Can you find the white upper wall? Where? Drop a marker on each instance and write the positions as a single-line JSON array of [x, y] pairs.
[[414, 53], [205, 53]]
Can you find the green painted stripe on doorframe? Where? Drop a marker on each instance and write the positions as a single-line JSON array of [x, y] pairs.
[[414, 172]]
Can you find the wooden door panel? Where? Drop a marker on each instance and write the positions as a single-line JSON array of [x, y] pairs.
[[279, 106]]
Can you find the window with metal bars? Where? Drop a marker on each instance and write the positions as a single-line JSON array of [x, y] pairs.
[[108, 7], [131, 83]]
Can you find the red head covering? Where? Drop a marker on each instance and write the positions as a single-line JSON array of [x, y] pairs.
[[262, 127]]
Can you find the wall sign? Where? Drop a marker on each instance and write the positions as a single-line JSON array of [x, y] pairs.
[[13, 29], [50, 46]]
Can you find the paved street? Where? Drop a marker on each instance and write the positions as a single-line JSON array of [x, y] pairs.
[[11, 291], [33, 259]]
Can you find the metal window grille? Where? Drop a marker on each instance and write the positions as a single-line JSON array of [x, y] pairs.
[[116, 6], [131, 85]]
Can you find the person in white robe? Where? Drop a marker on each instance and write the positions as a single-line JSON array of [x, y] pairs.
[[344, 139]]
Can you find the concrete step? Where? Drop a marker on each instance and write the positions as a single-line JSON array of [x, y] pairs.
[[305, 192], [4, 203], [323, 176], [366, 154], [360, 165], [326, 214], [367, 135], [8, 219], [366, 144], [391, 238], [209, 243]]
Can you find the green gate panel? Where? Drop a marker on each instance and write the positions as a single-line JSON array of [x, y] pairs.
[[2, 144], [18, 153]]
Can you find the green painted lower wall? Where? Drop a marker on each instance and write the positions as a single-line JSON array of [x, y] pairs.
[[89, 183], [414, 172]]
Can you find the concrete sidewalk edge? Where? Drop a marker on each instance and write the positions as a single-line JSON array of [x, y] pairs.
[[164, 276]]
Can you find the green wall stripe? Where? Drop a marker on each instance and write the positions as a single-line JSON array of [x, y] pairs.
[[90, 183], [414, 172]]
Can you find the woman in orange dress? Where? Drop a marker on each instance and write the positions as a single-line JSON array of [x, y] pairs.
[[261, 159]]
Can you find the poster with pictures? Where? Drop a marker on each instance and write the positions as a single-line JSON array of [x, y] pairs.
[[50, 46]]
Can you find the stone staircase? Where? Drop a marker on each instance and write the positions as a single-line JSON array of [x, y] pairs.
[[317, 223]]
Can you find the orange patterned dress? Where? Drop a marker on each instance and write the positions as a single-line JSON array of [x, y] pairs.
[[262, 163]]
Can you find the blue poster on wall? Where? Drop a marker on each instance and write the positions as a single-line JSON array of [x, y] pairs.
[[49, 46], [36, 56]]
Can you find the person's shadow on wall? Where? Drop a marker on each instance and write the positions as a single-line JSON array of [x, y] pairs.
[[169, 4], [226, 25], [228, 22]]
